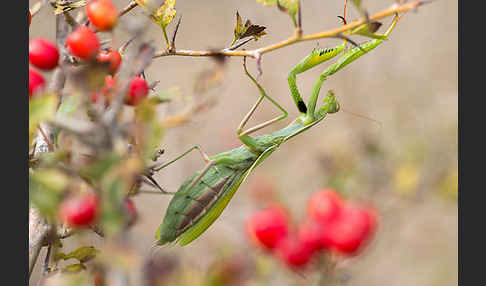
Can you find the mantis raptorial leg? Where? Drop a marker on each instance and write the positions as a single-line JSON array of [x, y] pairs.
[[344, 60]]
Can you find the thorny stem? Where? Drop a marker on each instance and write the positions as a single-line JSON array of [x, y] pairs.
[[297, 37]]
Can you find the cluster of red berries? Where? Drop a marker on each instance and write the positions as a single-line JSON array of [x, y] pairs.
[[82, 210], [332, 225], [85, 45]]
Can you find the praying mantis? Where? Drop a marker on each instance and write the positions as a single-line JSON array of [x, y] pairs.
[[201, 199]]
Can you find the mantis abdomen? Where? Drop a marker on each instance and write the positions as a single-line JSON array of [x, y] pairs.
[[196, 206]]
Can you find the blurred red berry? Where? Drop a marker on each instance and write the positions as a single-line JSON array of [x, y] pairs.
[[315, 235], [30, 17], [102, 14], [95, 96], [268, 226], [293, 252], [112, 57], [43, 54], [36, 82], [354, 228], [132, 211], [106, 91], [80, 210], [324, 206], [137, 91], [83, 43]]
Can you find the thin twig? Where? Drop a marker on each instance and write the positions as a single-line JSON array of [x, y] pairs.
[[295, 38], [38, 231], [129, 7], [46, 139]]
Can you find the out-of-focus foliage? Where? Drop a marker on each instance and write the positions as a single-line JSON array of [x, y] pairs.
[[162, 15], [41, 108], [290, 7]]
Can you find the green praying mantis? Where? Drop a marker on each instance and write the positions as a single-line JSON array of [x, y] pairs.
[[202, 198]]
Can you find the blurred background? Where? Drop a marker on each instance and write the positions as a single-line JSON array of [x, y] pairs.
[[403, 160]]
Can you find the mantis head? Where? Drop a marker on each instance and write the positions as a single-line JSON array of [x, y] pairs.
[[330, 104]]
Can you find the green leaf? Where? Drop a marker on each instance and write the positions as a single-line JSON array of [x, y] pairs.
[[45, 190], [359, 6], [151, 130], [247, 30], [357, 3], [113, 217], [166, 95], [98, 169], [290, 7], [41, 108], [268, 2], [368, 30], [162, 15], [82, 254], [74, 268], [68, 105], [62, 6], [166, 13]]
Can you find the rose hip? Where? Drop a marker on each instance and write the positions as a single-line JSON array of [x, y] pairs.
[[83, 43], [268, 226], [43, 54]]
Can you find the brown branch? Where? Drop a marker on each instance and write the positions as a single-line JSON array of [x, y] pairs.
[[59, 78], [38, 232], [129, 7], [297, 37]]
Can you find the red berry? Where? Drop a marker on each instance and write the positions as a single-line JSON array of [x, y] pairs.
[[80, 210], [324, 206], [30, 16], [43, 54], [36, 82], [83, 43], [132, 211], [353, 230], [293, 252], [111, 57], [102, 14], [314, 235], [95, 96], [268, 226], [137, 91]]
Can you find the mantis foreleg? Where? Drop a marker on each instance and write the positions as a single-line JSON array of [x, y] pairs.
[[316, 57], [344, 60]]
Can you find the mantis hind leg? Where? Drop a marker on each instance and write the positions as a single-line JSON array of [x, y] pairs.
[[203, 155], [147, 176]]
